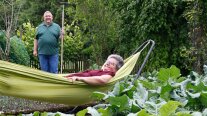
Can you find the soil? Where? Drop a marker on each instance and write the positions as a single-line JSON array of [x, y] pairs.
[[15, 106]]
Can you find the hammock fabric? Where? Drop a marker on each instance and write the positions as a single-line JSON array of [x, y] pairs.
[[25, 82]]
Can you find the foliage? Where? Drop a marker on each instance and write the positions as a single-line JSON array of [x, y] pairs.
[[10, 11], [37, 113], [27, 34], [34, 10], [2, 45], [73, 43], [101, 27], [18, 54], [163, 93], [196, 15], [161, 21], [119, 26], [2, 40]]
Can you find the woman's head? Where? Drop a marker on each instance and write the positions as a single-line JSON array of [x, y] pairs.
[[113, 63]]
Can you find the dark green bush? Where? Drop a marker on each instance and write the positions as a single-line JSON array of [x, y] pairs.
[[2, 45], [2, 40], [18, 52]]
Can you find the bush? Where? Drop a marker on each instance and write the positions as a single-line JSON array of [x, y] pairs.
[[18, 52], [2, 45], [2, 40]]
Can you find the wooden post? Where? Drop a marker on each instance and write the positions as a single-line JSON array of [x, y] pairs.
[[62, 37]]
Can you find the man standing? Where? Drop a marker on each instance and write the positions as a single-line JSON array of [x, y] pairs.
[[46, 43]]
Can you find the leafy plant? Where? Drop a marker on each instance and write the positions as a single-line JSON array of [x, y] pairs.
[[2, 45], [18, 53], [27, 34], [163, 93]]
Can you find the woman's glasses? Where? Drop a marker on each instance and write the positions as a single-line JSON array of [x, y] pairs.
[[110, 63]]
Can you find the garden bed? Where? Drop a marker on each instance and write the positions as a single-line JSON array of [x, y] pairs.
[[12, 105]]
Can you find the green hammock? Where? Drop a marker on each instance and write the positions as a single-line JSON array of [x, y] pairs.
[[25, 82]]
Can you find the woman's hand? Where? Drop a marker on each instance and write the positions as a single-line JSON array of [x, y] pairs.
[[93, 80], [75, 78]]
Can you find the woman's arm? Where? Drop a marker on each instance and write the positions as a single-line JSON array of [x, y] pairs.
[[94, 80]]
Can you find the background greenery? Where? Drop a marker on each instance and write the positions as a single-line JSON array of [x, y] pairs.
[[96, 28]]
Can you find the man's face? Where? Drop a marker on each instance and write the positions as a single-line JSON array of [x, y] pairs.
[[48, 17]]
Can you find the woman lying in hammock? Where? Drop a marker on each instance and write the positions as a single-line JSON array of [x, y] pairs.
[[102, 76]]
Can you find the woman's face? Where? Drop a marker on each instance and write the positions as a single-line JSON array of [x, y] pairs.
[[110, 65]]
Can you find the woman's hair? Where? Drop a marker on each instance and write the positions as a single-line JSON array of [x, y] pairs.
[[118, 58]]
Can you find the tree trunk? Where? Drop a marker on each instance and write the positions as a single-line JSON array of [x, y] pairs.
[[198, 44], [2, 56], [7, 50]]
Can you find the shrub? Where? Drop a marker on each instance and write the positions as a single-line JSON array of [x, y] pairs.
[[2, 45], [18, 52]]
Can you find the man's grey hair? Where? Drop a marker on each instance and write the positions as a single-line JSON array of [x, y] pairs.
[[47, 12], [118, 58]]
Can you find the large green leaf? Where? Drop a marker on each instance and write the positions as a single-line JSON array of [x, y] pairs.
[[116, 89], [121, 102], [165, 92], [93, 111], [82, 112], [169, 108], [140, 95], [148, 84], [98, 95], [183, 114], [135, 107], [196, 88], [172, 72], [143, 112], [154, 104], [36, 113], [104, 112], [203, 98]]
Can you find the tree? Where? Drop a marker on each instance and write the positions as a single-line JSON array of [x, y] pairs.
[[101, 27], [196, 15], [34, 10], [10, 10], [161, 21]]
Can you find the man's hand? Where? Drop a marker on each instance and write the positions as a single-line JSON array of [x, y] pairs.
[[35, 47], [35, 52], [62, 34]]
